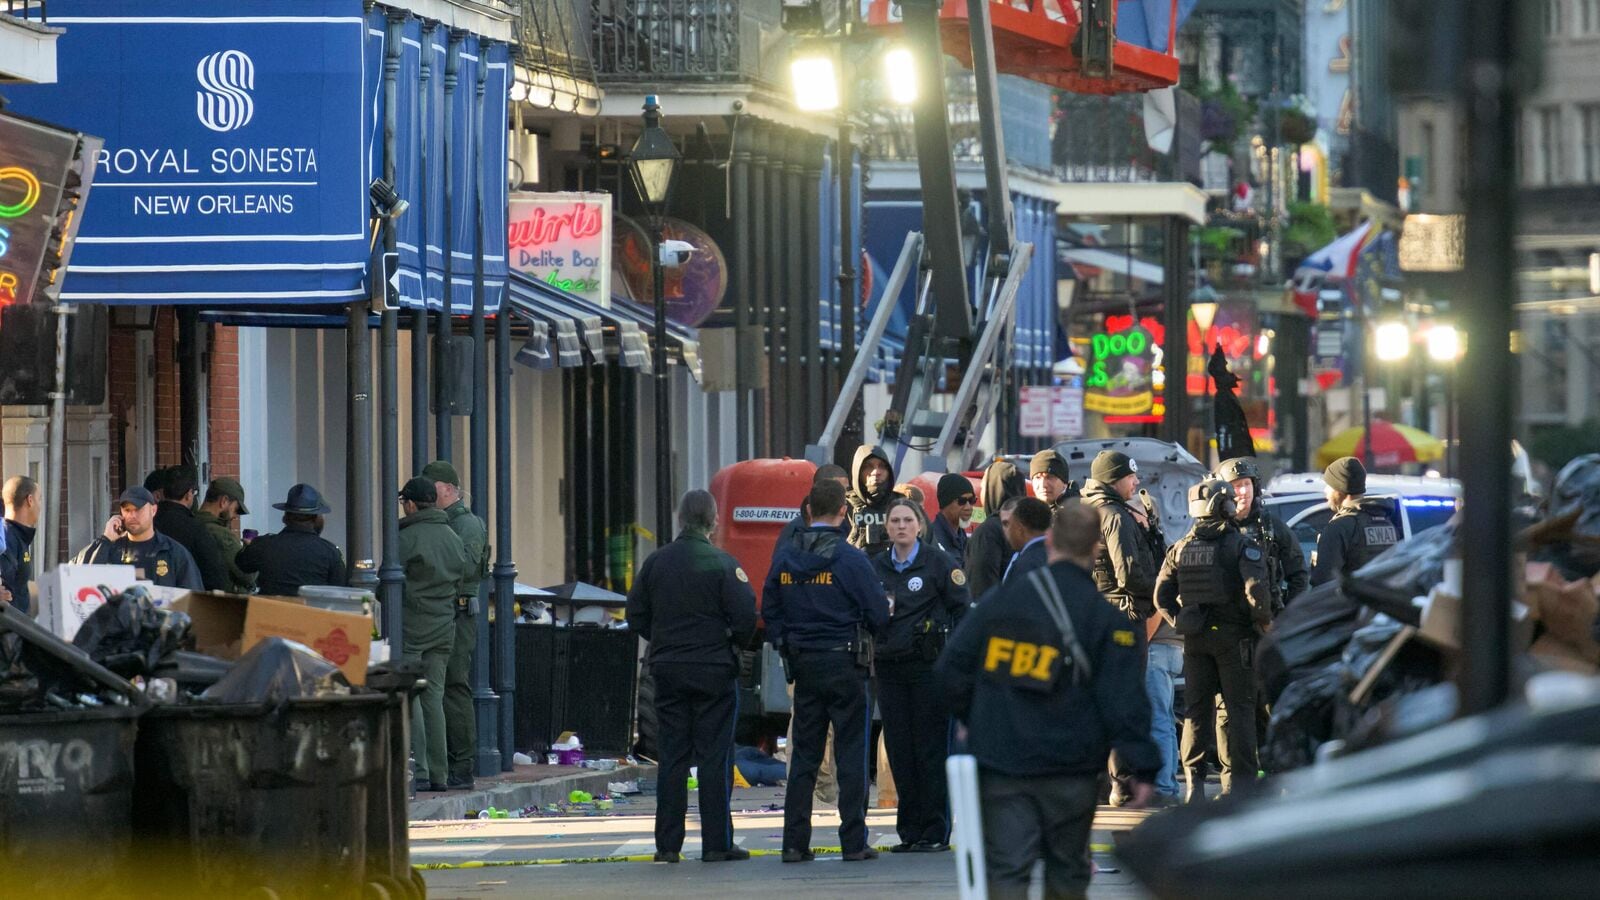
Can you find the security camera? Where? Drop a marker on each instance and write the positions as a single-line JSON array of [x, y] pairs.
[[675, 253]]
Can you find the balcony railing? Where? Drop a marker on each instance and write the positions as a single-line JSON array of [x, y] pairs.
[[677, 40], [32, 10], [553, 35]]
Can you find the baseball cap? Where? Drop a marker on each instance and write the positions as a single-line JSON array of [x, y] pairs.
[[229, 487], [420, 490], [136, 495], [439, 470]]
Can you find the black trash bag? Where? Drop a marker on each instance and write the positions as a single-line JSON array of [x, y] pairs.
[[192, 672], [39, 671], [129, 635], [1576, 501], [1306, 637], [1303, 720], [275, 670], [1402, 715]]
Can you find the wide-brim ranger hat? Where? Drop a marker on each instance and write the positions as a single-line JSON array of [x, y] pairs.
[[304, 500]]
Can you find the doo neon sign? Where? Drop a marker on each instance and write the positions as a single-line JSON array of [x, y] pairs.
[[30, 192], [1106, 346]]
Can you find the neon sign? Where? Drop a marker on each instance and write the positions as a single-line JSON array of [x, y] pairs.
[[1123, 377], [30, 192]]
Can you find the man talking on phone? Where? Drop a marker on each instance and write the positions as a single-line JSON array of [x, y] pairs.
[[154, 556]]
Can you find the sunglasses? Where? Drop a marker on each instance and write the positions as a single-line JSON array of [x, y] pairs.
[[967, 500]]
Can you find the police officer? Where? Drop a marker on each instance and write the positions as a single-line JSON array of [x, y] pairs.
[[949, 527], [694, 604], [871, 492], [1125, 569], [22, 505], [1047, 677], [223, 504], [1213, 589], [823, 606], [1286, 564], [298, 555], [460, 719], [927, 596], [154, 556], [1360, 528], [435, 563], [1047, 472]]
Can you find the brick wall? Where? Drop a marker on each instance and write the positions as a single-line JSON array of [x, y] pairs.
[[224, 402], [169, 408], [122, 393]]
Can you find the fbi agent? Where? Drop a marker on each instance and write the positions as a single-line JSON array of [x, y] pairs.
[[1048, 679], [928, 595], [1213, 590], [823, 607]]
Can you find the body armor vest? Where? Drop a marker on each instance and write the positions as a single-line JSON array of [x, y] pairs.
[[1200, 576], [1374, 534]]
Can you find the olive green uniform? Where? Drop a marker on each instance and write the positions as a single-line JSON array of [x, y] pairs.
[[239, 582], [460, 720], [435, 563]]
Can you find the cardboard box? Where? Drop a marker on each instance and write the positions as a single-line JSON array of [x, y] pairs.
[[70, 592], [228, 625], [1441, 622]]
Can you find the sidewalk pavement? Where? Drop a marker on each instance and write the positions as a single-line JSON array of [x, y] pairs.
[[537, 785]]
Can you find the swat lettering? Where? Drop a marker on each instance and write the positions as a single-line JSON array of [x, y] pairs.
[[819, 578], [1026, 660], [1378, 535]]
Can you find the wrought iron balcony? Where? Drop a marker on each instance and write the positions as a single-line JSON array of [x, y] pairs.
[[680, 40]]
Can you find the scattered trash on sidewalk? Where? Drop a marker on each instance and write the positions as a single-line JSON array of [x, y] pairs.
[[521, 759], [623, 787]]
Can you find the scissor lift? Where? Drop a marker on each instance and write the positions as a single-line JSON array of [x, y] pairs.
[[1069, 44]]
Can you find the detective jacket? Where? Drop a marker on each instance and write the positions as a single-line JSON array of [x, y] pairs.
[[693, 603], [160, 559], [1125, 569], [950, 540], [435, 562], [1356, 533], [290, 559], [239, 581], [930, 596], [475, 540], [869, 512], [1217, 568], [177, 521], [1018, 723], [16, 563], [819, 590]]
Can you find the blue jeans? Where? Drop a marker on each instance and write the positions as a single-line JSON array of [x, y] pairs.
[[1165, 665]]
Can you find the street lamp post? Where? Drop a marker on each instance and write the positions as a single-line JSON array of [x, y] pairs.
[[653, 162]]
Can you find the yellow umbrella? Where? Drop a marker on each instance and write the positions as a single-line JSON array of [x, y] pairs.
[[1392, 445]]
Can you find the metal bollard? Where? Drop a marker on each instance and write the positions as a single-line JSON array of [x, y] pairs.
[[971, 878]]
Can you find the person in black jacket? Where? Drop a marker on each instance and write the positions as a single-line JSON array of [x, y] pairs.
[[1048, 679], [987, 550], [927, 595], [823, 604], [1026, 530], [175, 519], [1125, 570], [949, 527], [22, 504], [871, 492], [1286, 564], [298, 555], [1360, 528], [695, 606], [155, 557]]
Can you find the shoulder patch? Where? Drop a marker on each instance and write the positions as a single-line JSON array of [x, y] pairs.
[[738, 572], [1252, 553], [958, 577], [1122, 638]]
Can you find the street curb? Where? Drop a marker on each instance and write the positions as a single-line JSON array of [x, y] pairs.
[[518, 795]]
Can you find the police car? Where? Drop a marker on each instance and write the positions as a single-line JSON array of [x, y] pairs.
[[1415, 503]]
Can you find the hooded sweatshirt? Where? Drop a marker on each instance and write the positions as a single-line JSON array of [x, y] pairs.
[[819, 590], [869, 510], [987, 549]]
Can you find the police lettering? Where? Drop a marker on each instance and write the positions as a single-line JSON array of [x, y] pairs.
[[819, 578], [1027, 660], [1198, 553]]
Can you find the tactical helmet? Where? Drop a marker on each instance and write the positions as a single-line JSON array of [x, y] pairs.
[[1212, 499], [1239, 467]]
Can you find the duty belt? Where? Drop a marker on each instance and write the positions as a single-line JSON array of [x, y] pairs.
[[467, 605]]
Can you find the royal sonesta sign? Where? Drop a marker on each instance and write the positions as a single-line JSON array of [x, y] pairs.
[[238, 140], [563, 240]]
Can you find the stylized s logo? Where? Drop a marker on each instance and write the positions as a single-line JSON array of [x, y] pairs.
[[223, 102]]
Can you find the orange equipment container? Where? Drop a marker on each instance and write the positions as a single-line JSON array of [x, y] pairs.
[[1034, 39], [755, 499]]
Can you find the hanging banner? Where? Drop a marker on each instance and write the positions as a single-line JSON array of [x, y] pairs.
[[235, 164], [563, 240]]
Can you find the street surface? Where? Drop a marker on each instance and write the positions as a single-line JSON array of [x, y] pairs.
[[597, 855]]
